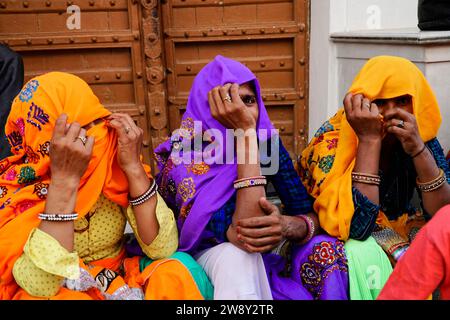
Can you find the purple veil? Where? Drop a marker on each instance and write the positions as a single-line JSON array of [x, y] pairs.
[[198, 190]]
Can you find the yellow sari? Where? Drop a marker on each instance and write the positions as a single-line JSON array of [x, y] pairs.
[[327, 163]]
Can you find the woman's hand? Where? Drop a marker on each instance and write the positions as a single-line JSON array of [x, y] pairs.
[[230, 111], [261, 234], [403, 125], [130, 138], [70, 152], [364, 117]]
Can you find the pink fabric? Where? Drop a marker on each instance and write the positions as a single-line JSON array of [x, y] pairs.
[[425, 267]]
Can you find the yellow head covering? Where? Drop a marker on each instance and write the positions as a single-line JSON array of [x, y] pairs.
[[329, 159]]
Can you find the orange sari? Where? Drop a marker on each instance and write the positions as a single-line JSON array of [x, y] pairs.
[[24, 178]]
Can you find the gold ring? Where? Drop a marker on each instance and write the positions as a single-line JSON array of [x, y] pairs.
[[83, 139], [227, 98]]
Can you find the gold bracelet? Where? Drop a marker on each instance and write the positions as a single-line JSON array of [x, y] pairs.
[[366, 178], [433, 184]]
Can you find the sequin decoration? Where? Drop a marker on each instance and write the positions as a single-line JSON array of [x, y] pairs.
[[28, 91], [25, 205], [37, 117], [26, 175], [31, 156], [6, 203], [326, 163], [197, 168], [326, 258], [188, 125], [41, 189], [4, 164], [186, 189], [44, 149], [3, 191], [15, 140], [185, 210], [11, 174], [20, 124]]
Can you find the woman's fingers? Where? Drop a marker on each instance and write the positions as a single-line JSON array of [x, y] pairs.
[[398, 114], [365, 106], [74, 131], [218, 101], [260, 242], [225, 94], [254, 249], [259, 232], [357, 101], [374, 110], [90, 141], [60, 127], [398, 132], [348, 106], [268, 207], [127, 123], [401, 124], [234, 91], [258, 222]]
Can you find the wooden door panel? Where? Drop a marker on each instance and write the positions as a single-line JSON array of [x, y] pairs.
[[269, 36], [107, 52]]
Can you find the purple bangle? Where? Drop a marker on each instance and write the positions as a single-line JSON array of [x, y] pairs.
[[310, 226]]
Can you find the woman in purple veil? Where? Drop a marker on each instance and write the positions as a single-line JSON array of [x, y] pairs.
[[214, 172]]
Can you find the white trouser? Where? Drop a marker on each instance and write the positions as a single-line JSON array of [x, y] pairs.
[[234, 273]]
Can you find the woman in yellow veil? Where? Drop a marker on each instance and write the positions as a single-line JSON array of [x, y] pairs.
[[364, 165]]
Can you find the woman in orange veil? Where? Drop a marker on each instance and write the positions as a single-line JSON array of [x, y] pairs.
[[73, 182]]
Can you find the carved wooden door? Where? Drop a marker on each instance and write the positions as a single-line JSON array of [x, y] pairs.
[[269, 36], [106, 50]]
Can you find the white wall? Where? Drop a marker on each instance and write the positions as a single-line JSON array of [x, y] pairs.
[[329, 16]]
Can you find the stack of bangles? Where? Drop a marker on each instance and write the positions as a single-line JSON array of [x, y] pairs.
[[433, 184], [309, 226], [366, 178], [151, 191], [250, 182], [59, 217]]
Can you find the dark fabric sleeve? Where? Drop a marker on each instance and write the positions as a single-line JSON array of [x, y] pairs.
[[364, 218], [222, 219], [11, 82], [438, 153], [290, 190]]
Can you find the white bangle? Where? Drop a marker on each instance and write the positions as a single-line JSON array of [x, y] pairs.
[[58, 216], [146, 196]]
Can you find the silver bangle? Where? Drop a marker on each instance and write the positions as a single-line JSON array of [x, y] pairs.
[[58, 216], [144, 197]]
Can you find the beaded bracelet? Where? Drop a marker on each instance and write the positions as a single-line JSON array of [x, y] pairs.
[[434, 184], [58, 216], [310, 226], [151, 191], [366, 178], [249, 182], [243, 179]]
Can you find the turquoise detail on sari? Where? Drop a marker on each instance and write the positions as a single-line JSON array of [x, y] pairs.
[[197, 272]]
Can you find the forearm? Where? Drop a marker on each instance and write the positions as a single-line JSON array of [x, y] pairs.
[[145, 213], [427, 170], [247, 198], [368, 161], [61, 199], [295, 229]]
